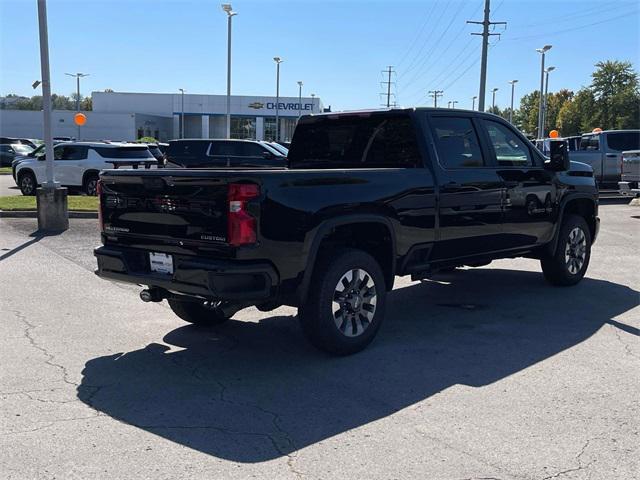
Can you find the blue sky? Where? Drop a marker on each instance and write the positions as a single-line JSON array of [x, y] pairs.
[[338, 48]]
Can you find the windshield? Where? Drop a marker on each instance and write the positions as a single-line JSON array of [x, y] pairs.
[[22, 149], [622, 141]]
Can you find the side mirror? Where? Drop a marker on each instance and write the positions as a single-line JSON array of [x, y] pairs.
[[558, 156]]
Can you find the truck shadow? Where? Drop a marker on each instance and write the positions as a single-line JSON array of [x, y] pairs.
[[251, 392]]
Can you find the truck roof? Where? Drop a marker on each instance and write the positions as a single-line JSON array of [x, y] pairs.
[[382, 111]]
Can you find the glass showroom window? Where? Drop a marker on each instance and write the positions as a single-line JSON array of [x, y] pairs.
[[287, 126], [243, 127], [270, 128]]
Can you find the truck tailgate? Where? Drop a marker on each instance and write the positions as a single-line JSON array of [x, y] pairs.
[[181, 208]]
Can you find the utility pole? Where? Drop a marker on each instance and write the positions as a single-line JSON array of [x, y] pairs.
[[473, 102], [78, 76], [435, 94], [485, 47], [388, 84]]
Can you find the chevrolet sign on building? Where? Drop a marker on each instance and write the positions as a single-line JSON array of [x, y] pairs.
[[204, 115]]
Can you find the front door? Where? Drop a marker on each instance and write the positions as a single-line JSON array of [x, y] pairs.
[[470, 197], [530, 194]]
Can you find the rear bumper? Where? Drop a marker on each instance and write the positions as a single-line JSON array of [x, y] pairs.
[[212, 279]]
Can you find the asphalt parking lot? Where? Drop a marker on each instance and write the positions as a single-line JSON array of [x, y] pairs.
[[482, 373]]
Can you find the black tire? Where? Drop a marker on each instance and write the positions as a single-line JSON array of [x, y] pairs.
[[197, 313], [570, 262], [90, 185], [357, 319], [27, 183]]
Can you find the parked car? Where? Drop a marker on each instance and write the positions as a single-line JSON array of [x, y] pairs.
[[9, 152], [603, 151], [630, 173], [21, 141], [39, 150], [573, 143], [368, 196], [77, 164], [199, 153]]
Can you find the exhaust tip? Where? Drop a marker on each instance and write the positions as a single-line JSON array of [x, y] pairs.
[[151, 295]]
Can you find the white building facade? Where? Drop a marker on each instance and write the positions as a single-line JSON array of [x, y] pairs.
[[130, 116]]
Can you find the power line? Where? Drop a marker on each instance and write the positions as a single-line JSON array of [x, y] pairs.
[[388, 84], [486, 23], [415, 39]]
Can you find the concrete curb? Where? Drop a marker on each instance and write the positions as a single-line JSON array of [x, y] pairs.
[[34, 214]]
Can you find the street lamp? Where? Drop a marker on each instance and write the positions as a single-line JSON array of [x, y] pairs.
[[299, 98], [453, 103], [542, 51], [182, 114], [278, 61], [493, 102], [513, 86], [473, 102], [546, 90], [230, 14], [449, 104], [313, 98], [78, 76]]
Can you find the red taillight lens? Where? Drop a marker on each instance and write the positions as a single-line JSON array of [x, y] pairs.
[[241, 225], [99, 194]]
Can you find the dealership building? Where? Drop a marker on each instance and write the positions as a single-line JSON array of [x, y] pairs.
[[129, 116]]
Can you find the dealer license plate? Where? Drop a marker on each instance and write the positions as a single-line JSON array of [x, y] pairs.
[[161, 262]]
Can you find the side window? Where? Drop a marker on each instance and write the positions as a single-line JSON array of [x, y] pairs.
[[456, 142], [590, 142], [226, 149], [393, 144], [510, 149], [252, 150], [5, 149], [71, 152]]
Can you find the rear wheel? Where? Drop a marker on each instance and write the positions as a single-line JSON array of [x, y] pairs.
[[199, 313], [91, 184], [345, 304], [569, 264], [27, 183]]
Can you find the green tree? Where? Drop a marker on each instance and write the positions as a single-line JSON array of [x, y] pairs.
[[577, 115], [555, 102], [526, 117], [615, 89]]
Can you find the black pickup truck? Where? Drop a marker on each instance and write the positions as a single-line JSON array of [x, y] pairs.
[[367, 196]]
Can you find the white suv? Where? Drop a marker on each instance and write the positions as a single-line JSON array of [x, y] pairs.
[[77, 164]]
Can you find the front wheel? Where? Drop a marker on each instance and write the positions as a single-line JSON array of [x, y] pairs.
[[199, 313], [569, 264], [345, 303], [27, 183], [91, 185]]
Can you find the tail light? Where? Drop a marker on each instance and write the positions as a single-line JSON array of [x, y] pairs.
[[99, 194], [241, 225]]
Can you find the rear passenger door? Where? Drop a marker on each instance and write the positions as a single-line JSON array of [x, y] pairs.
[[470, 190], [529, 195]]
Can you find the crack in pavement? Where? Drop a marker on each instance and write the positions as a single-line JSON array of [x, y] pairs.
[[626, 346], [580, 466]]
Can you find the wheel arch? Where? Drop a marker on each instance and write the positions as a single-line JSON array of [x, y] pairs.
[[584, 205], [88, 173], [351, 231]]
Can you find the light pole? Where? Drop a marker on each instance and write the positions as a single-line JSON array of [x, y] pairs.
[[513, 87], [51, 199], [473, 102], [278, 61], [313, 99], [493, 101], [453, 103], [449, 104], [546, 94], [542, 51], [182, 113], [230, 14], [299, 99], [78, 76]]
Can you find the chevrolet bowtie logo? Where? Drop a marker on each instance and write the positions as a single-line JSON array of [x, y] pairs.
[[256, 105]]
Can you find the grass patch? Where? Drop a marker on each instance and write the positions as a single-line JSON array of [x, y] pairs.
[[5, 170], [77, 203]]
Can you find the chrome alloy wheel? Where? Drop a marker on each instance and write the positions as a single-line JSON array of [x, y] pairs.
[[575, 251], [354, 302], [26, 184]]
